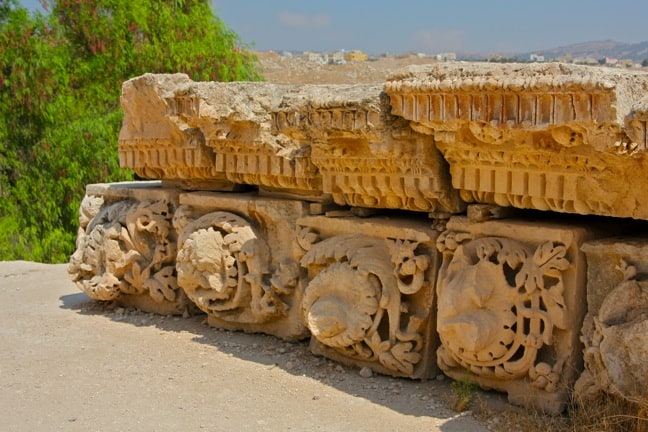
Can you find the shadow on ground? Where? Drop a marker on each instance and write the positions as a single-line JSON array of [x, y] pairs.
[[408, 397]]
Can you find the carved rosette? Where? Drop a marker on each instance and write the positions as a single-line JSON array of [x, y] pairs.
[[223, 265], [125, 248], [500, 302], [355, 302]]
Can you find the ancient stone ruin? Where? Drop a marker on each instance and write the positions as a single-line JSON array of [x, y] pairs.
[[472, 219]]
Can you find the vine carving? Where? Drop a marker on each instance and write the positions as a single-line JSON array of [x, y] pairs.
[[499, 303], [126, 248], [224, 267], [354, 302]]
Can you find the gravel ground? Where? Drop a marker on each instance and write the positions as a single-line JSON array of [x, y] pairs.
[[69, 363]]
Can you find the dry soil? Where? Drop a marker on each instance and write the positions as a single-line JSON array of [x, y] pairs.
[[70, 363], [283, 70]]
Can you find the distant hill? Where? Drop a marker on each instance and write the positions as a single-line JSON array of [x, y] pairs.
[[597, 50]]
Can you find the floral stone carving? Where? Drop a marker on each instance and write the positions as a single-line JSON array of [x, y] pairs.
[[369, 300], [508, 308], [226, 267], [558, 137], [126, 251], [615, 330]]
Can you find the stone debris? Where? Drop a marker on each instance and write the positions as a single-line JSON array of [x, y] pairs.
[[365, 372]]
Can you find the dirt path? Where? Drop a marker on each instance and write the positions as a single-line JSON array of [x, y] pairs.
[[68, 363]]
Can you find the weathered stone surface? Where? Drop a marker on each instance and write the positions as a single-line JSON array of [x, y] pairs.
[[510, 304], [555, 137], [369, 301], [237, 261], [615, 330], [340, 141], [126, 247]]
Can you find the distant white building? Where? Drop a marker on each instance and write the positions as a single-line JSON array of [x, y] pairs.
[[536, 57], [338, 57], [446, 57], [311, 56], [321, 58]]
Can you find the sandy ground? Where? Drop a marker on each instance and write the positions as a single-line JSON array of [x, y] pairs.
[[282, 70], [68, 363]]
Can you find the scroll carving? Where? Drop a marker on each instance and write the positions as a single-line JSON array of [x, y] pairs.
[[500, 302], [224, 267], [356, 300], [126, 248]]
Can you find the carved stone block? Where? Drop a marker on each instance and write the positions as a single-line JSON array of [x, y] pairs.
[[318, 142], [238, 263], [156, 143], [510, 302], [558, 137], [126, 247], [369, 299], [615, 330], [370, 158]]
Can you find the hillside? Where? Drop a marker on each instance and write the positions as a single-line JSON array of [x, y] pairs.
[[283, 70], [598, 50]]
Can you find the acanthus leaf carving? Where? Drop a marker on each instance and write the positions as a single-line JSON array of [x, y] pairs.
[[223, 265], [354, 301], [126, 248], [499, 303]]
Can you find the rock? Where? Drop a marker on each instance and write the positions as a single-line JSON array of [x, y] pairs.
[[365, 372]]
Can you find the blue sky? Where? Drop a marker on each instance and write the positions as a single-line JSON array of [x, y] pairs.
[[377, 26]]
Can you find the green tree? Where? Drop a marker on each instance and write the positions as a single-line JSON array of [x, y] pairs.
[[60, 80]]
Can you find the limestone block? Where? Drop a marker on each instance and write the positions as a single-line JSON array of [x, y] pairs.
[[338, 141], [615, 330], [558, 137], [370, 158], [369, 299], [125, 247], [156, 143], [237, 261], [511, 300]]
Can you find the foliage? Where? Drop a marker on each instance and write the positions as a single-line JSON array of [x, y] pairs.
[[60, 80], [463, 392]]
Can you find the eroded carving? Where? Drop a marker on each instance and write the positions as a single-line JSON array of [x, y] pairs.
[[499, 303], [546, 136], [615, 330], [356, 301], [224, 267], [126, 248], [302, 140], [617, 347], [371, 158], [510, 299]]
